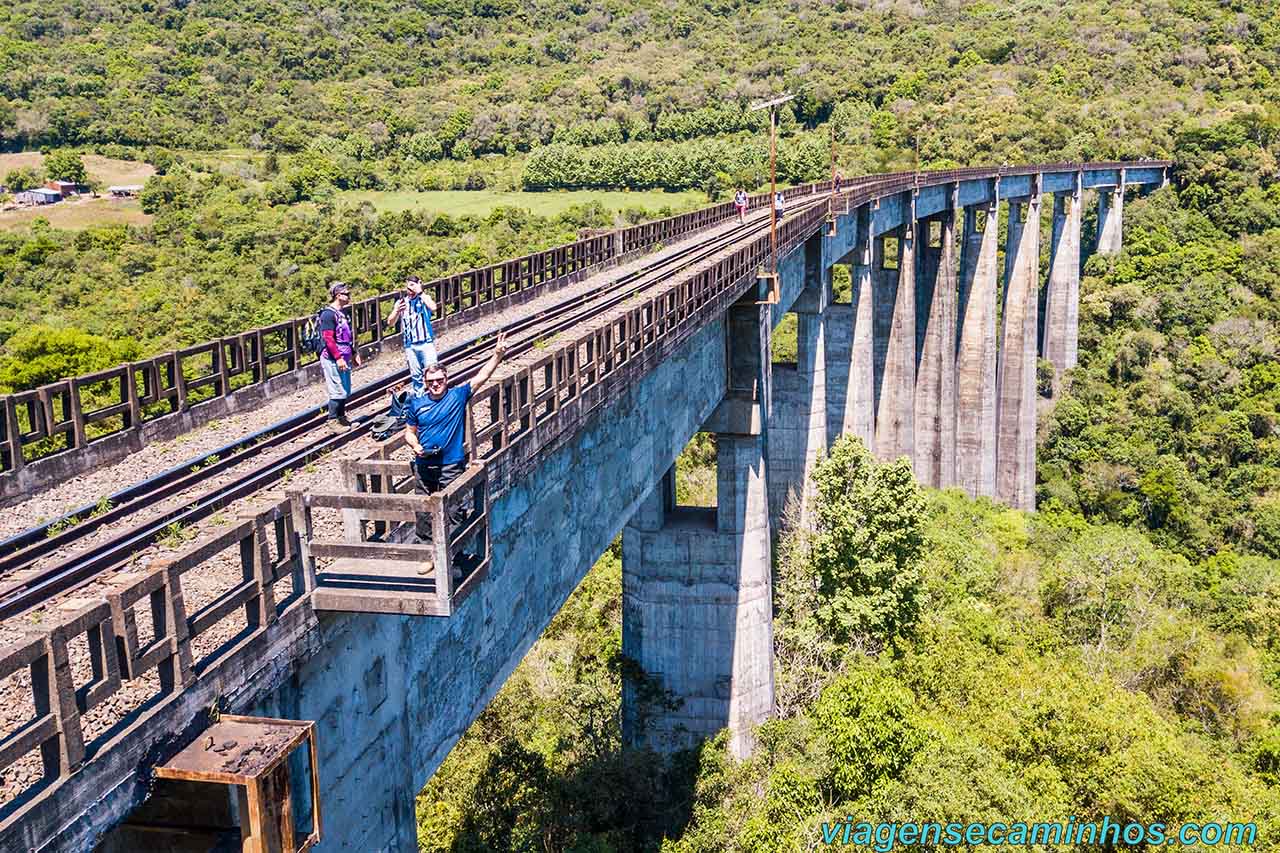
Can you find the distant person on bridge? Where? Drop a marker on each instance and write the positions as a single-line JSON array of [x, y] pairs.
[[779, 204], [839, 179], [419, 338], [740, 203], [436, 428], [340, 353]]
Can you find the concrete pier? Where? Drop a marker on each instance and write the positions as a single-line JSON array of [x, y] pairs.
[[860, 402], [1110, 219], [1060, 331], [798, 419], [696, 583], [935, 386], [1016, 362], [976, 353], [895, 343]]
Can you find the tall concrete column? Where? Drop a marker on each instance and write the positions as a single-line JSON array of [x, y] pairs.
[[798, 422], [859, 418], [935, 388], [1016, 361], [1110, 219], [976, 354], [1060, 325], [696, 586], [895, 344], [838, 334]]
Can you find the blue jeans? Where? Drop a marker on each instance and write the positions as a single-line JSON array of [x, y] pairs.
[[420, 357]]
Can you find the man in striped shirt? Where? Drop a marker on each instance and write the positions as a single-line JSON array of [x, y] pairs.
[[417, 309]]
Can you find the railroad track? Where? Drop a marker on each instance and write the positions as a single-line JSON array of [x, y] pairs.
[[19, 553]]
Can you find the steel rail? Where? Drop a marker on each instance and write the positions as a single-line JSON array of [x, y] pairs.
[[80, 567]]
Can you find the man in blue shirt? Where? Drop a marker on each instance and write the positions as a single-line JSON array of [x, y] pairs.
[[417, 335], [436, 428]]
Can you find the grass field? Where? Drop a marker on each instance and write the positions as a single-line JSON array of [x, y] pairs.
[[76, 215], [482, 202], [110, 172], [241, 162]]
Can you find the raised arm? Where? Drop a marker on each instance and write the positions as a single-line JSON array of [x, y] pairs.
[[429, 302], [499, 350]]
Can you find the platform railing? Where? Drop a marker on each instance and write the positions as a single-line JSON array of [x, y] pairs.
[[373, 566], [147, 633]]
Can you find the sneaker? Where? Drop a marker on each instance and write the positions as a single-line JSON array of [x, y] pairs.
[[345, 421], [335, 425]]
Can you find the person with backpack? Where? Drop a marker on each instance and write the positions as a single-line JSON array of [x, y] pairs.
[[740, 203], [416, 333], [339, 353]]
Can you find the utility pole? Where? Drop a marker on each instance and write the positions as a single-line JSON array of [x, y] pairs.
[[831, 201], [772, 107]]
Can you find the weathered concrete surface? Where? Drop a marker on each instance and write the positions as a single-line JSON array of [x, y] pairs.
[[1060, 333], [895, 343], [698, 608], [839, 337], [860, 399], [1016, 362], [935, 389], [1110, 220], [697, 602], [393, 695], [976, 354], [798, 418]]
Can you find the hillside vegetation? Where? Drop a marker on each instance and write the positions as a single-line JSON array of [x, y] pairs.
[[459, 78], [263, 121]]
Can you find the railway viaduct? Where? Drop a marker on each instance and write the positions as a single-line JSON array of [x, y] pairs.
[[934, 358]]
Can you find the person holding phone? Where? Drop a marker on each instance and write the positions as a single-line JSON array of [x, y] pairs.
[[419, 338]]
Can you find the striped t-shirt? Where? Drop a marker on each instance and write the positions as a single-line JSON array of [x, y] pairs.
[[416, 323]]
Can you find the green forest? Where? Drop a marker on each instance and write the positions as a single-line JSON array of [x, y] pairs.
[[1116, 653]]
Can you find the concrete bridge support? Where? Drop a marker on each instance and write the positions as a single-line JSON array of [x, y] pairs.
[[894, 310], [1060, 331], [1110, 218], [976, 353], [798, 420], [1016, 362], [860, 398], [935, 386], [696, 583]]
